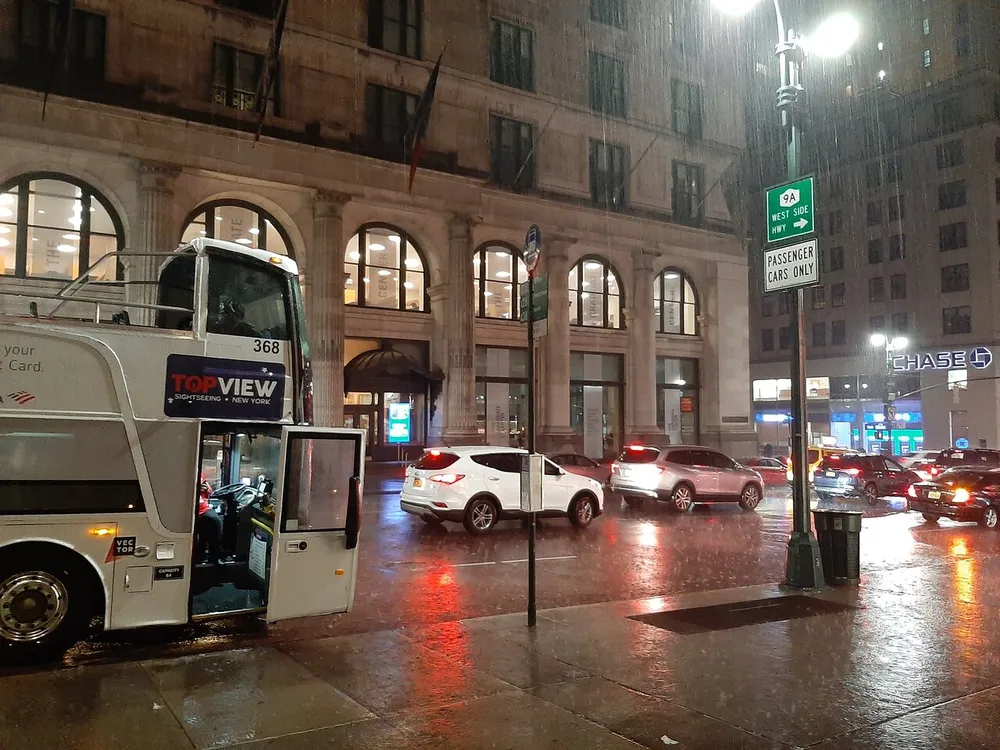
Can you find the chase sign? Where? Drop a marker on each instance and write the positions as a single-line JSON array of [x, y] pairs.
[[979, 359]]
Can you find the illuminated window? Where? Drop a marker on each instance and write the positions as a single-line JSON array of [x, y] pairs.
[[239, 222], [675, 303], [497, 286], [54, 226], [594, 294], [383, 268]]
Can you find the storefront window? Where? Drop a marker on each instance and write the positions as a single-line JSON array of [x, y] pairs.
[[594, 294], [596, 402], [383, 268], [675, 303], [502, 395], [54, 226], [498, 272], [677, 399], [239, 222]]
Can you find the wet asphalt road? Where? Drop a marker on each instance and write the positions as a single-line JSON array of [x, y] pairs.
[[412, 574]]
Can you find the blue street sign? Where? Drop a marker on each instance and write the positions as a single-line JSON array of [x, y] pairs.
[[532, 247]]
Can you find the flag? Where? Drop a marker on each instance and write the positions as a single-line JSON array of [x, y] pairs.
[[414, 140], [60, 62], [270, 70]]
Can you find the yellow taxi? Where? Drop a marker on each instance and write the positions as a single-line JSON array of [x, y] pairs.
[[816, 454]]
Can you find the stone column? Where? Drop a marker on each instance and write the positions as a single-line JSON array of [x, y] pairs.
[[640, 360], [460, 374], [552, 392], [324, 293], [156, 233], [724, 403]]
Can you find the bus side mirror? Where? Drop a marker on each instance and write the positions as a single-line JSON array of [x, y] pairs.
[[352, 526]]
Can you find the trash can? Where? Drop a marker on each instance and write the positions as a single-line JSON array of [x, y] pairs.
[[839, 535]]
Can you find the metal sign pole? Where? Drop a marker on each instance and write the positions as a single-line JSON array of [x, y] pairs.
[[532, 248], [531, 441]]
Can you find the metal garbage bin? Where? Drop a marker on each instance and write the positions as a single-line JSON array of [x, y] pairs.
[[839, 535]]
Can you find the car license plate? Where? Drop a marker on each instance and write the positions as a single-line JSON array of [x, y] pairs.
[[418, 482], [831, 473], [934, 495]]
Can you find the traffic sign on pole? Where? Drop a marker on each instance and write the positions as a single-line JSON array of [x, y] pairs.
[[790, 210], [532, 248], [539, 287], [791, 266]]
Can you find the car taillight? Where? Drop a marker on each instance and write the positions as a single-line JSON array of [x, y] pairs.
[[853, 472], [934, 471], [615, 468], [447, 478], [960, 496], [635, 448], [911, 491]]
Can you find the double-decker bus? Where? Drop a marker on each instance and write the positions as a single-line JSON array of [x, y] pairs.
[[161, 469]]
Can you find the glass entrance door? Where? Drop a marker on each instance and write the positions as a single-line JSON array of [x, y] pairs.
[[363, 418]]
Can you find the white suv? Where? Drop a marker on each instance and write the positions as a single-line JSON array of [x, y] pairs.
[[480, 485]]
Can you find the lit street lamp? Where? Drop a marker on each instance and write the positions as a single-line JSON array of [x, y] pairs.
[[894, 344], [833, 37]]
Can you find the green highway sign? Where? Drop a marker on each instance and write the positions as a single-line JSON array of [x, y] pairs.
[[541, 298], [790, 210]]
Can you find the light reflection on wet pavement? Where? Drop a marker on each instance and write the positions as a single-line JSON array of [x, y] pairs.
[[914, 665]]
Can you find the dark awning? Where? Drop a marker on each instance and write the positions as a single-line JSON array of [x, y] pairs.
[[387, 369]]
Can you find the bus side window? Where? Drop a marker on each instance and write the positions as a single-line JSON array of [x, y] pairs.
[[246, 299], [176, 289]]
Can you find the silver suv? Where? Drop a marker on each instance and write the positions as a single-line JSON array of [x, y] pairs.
[[683, 475]]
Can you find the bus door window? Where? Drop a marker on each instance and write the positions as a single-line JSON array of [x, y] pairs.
[[239, 468]]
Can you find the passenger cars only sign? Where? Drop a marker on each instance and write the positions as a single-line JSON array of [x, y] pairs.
[[791, 266], [210, 388]]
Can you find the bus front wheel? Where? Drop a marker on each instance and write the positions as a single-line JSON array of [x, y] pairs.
[[43, 609]]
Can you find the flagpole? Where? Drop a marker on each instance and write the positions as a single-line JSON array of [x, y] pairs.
[[413, 141], [534, 144], [64, 20], [267, 75]]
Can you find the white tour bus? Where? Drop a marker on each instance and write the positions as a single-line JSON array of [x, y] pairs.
[[157, 473]]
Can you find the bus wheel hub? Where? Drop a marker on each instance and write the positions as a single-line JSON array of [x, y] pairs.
[[32, 605]]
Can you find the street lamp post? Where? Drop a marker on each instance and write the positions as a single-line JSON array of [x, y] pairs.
[[803, 564], [890, 345]]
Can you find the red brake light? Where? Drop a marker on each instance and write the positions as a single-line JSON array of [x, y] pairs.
[[447, 478], [635, 448], [854, 472], [834, 457], [435, 452], [911, 491], [934, 470]]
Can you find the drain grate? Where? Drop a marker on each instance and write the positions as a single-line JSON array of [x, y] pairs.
[[741, 614]]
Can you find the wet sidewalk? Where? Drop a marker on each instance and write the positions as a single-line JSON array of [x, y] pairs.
[[910, 660]]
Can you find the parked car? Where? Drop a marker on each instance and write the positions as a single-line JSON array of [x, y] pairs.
[[868, 476], [683, 475], [772, 470], [481, 485], [574, 463], [963, 494], [815, 456], [929, 468]]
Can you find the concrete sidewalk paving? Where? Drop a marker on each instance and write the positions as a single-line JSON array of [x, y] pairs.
[[913, 663]]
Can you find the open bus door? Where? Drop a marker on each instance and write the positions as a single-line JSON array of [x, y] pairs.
[[313, 553]]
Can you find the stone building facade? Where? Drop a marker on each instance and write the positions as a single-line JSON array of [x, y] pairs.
[[147, 140]]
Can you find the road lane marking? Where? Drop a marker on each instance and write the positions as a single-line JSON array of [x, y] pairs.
[[542, 559], [473, 564]]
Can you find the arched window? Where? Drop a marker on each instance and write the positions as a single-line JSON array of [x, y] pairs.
[[237, 221], [55, 226], [594, 294], [675, 303], [498, 270], [383, 268]]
